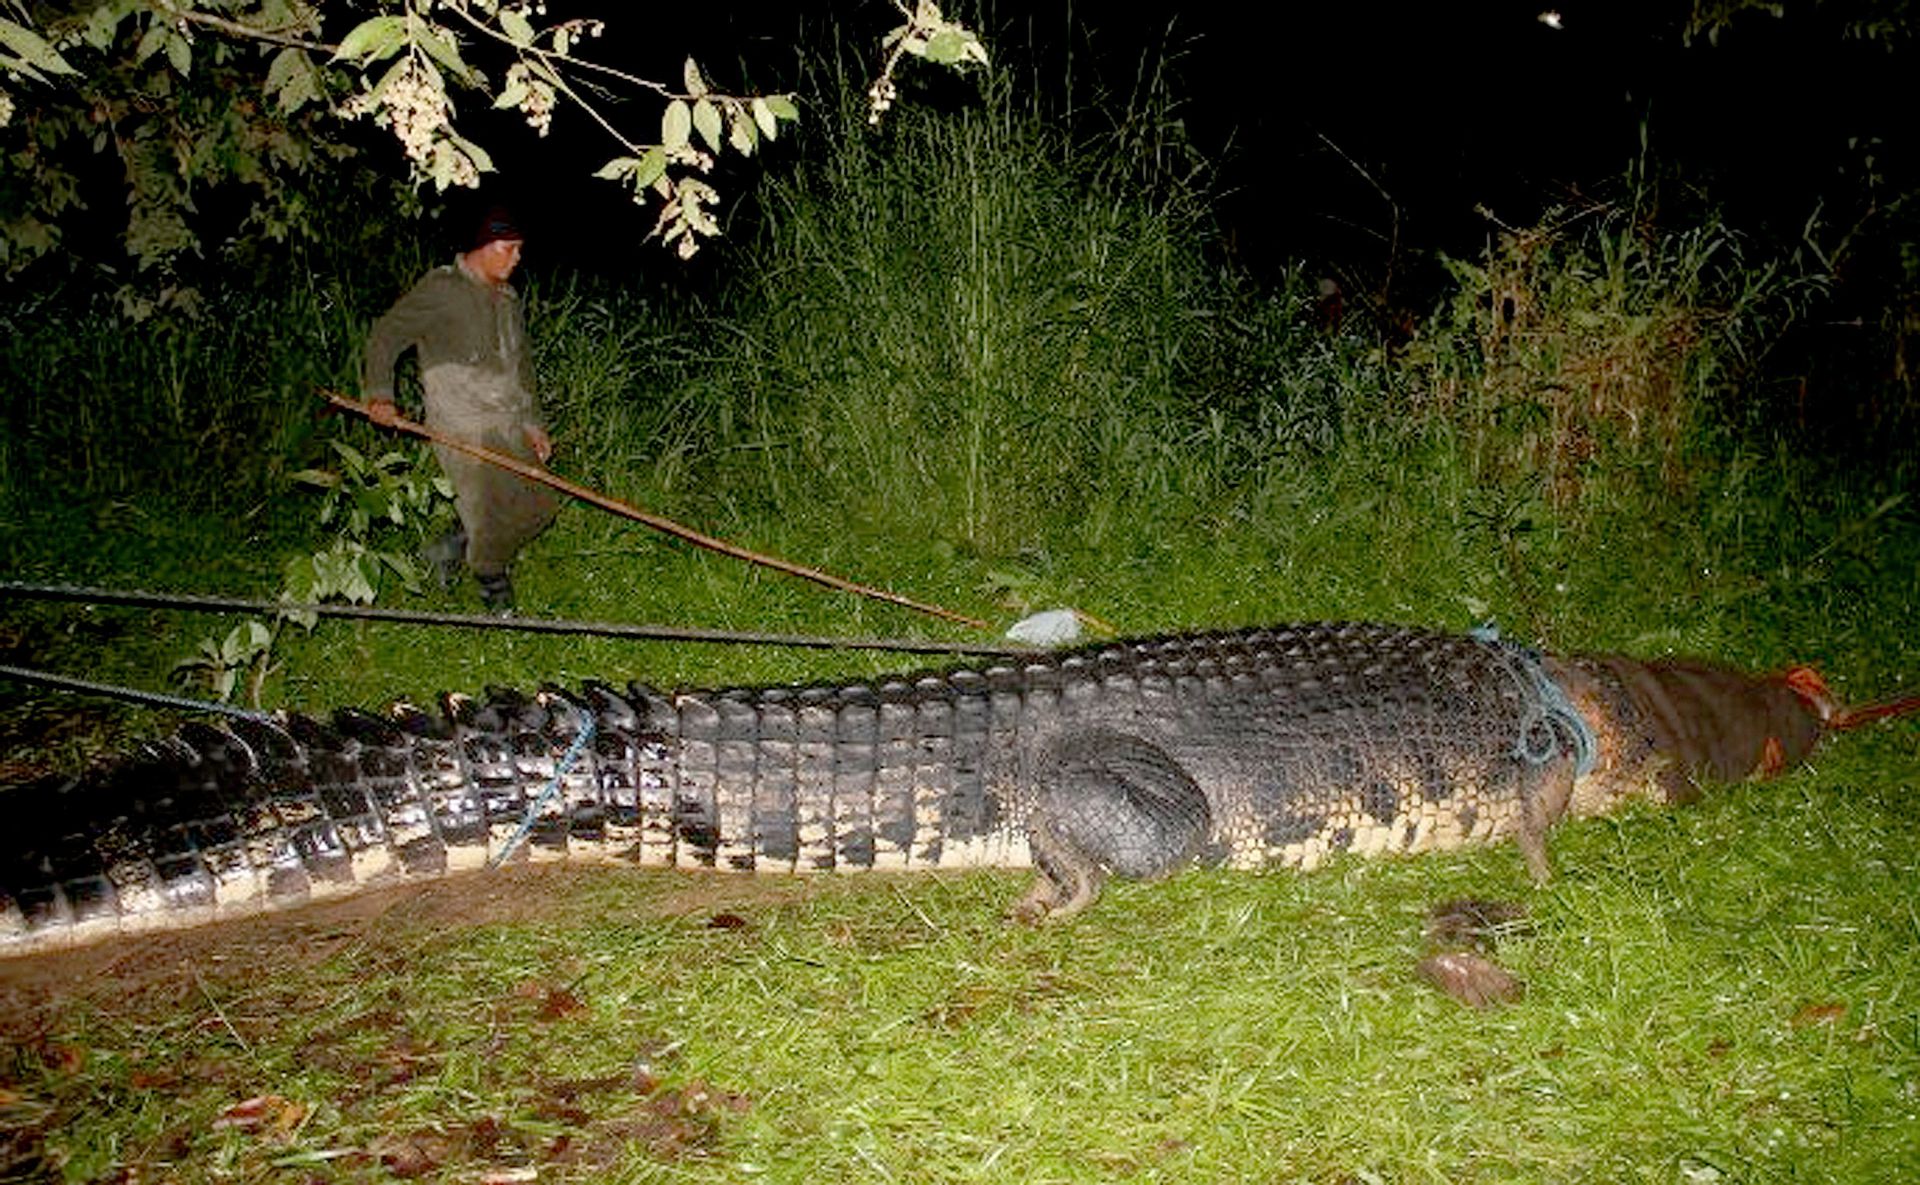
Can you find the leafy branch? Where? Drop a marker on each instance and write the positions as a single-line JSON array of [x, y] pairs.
[[398, 67], [927, 35]]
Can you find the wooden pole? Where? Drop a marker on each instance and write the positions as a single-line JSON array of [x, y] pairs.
[[666, 526]]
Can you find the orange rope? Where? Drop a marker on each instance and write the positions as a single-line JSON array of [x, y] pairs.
[[1806, 683]]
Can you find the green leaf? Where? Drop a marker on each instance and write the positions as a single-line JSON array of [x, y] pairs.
[[103, 25], [676, 125], [741, 133], [482, 162], [706, 119], [290, 80], [365, 578], [514, 24], [317, 477], [511, 95], [372, 40], [946, 47], [764, 117], [298, 577], [782, 106], [617, 168], [33, 48], [179, 54], [396, 71], [14, 66], [653, 163], [696, 85], [442, 48], [151, 41], [405, 567], [440, 165], [305, 89]]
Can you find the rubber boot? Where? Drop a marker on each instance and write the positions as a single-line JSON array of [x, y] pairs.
[[446, 558], [496, 593]]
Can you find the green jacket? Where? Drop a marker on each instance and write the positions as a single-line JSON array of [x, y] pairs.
[[472, 344]]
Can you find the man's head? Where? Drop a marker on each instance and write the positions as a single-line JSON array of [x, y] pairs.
[[496, 247]]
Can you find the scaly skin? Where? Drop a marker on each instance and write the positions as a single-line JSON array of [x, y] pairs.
[[1256, 748]]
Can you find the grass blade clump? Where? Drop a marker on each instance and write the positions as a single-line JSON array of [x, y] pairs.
[[208, 405], [959, 326], [1597, 340]]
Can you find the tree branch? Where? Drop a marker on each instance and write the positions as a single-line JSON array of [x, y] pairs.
[[547, 57], [233, 28]]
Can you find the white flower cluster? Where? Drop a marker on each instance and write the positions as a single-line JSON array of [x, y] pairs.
[[413, 103], [880, 97], [568, 32], [688, 155], [537, 100], [6, 109], [685, 217], [416, 109]]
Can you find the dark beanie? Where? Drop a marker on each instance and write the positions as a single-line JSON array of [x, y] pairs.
[[498, 224]]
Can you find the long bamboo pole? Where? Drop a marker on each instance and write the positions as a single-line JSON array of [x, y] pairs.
[[664, 525]]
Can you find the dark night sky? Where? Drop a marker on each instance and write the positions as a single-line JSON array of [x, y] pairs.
[[1446, 106]]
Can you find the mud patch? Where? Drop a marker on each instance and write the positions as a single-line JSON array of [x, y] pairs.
[[117, 973]]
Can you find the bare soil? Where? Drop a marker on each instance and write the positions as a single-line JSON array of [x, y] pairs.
[[117, 973]]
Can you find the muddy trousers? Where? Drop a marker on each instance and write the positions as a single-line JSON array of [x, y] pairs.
[[500, 512]]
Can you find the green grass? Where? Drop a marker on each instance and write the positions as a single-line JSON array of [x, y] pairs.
[[986, 366], [1719, 994]]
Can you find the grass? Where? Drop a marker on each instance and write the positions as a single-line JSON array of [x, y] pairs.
[[1717, 994], [975, 365], [1720, 994]]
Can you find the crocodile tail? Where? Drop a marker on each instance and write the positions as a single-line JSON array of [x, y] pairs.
[[219, 820]]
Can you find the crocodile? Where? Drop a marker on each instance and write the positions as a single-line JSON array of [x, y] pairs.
[[1253, 748]]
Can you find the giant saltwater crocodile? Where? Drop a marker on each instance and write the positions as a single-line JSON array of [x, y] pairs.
[[1254, 748]]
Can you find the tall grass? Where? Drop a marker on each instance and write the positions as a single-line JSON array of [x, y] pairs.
[[967, 327], [1598, 341], [206, 407], [993, 355]]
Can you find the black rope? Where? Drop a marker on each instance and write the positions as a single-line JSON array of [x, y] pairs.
[[154, 699], [531, 625]]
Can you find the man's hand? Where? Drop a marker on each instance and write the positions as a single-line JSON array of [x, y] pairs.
[[541, 442], [383, 412]]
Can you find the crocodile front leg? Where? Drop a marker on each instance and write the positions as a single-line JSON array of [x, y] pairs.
[[1544, 804], [1108, 803]]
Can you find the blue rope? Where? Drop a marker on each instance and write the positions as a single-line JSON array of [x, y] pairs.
[[580, 741], [1556, 709]]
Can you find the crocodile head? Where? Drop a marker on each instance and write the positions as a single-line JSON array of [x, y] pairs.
[[1667, 727]]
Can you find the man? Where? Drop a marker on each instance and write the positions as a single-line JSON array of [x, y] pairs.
[[465, 321]]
